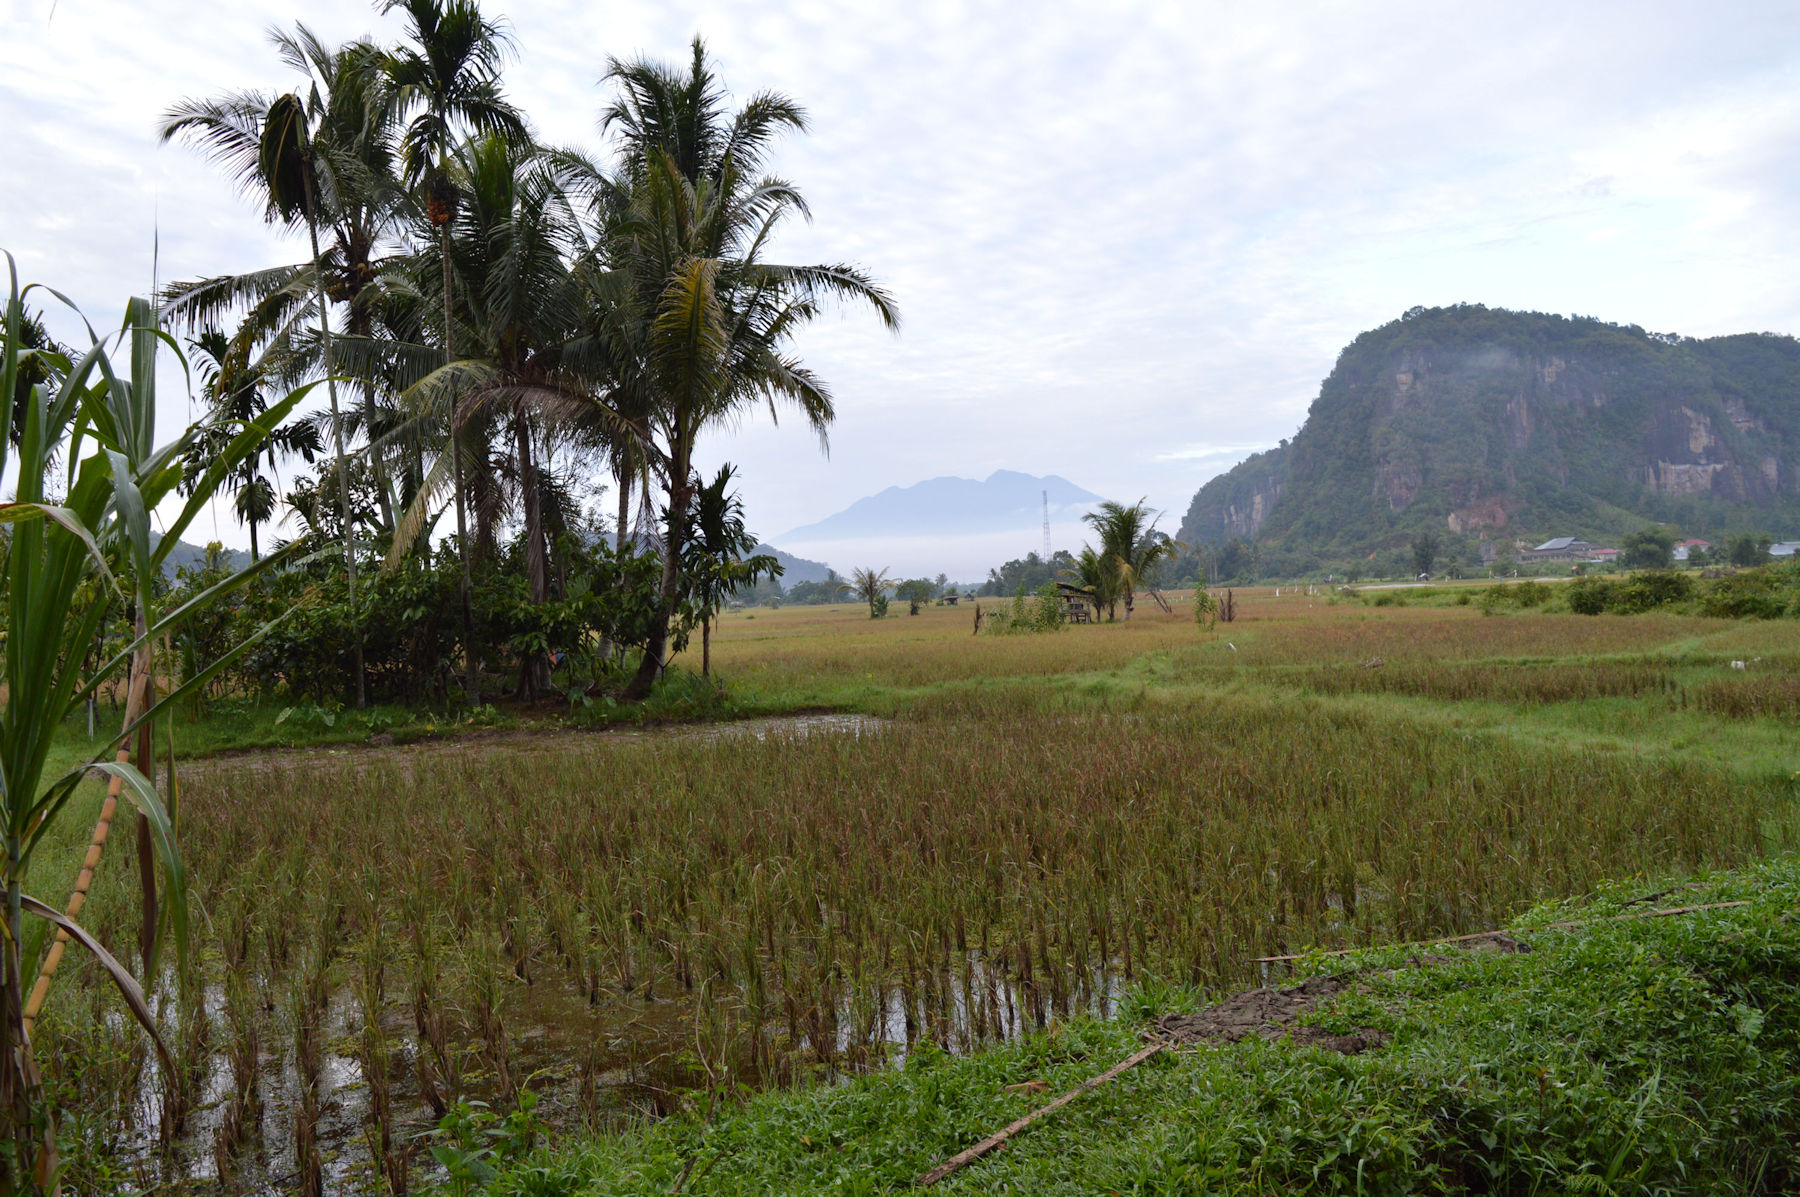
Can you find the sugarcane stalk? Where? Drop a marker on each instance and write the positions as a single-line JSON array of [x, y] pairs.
[[136, 701]]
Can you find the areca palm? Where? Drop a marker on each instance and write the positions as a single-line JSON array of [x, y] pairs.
[[708, 320], [236, 392], [448, 79], [302, 158]]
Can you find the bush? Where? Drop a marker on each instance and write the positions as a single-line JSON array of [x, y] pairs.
[[1629, 596], [410, 621], [1042, 613], [1753, 595]]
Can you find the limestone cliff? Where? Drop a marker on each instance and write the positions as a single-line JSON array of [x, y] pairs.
[[1477, 423]]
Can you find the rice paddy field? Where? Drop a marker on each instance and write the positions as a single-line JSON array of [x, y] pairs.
[[925, 841]]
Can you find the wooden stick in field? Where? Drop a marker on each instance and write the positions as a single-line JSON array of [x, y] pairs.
[[970, 1155]]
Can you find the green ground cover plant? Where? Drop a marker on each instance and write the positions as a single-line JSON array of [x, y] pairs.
[[1627, 1056]]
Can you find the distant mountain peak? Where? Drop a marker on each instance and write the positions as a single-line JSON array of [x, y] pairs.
[[1005, 501]]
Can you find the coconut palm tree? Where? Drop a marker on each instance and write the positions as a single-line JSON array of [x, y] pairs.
[[709, 321], [448, 80], [1130, 547], [528, 358], [869, 585], [1098, 579]]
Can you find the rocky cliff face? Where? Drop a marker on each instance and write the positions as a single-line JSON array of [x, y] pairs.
[[1475, 423]]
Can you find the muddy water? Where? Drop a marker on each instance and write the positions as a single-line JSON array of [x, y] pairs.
[[627, 1058], [591, 1066], [603, 1063]]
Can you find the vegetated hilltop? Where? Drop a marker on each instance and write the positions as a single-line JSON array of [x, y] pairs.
[[1474, 423], [794, 569]]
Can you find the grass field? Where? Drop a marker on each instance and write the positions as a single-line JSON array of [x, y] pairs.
[[1023, 830]]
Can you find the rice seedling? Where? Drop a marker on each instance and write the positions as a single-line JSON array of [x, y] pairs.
[[1764, 696], [631, 918]]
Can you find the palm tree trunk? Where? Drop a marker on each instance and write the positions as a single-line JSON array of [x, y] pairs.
[[377, 464], [706, 646], [471, 669], [343, 473], [658, 642], [255, 556], [534, 672], [625, 480]]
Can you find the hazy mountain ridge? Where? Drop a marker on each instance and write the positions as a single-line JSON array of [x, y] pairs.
[[1004, 501], [794, 569], [1476, 423]]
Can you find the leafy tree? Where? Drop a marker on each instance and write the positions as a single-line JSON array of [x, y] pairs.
[[815, 593], [916, 591], [1746, 550], [870, 586], [1030, 571], [1651, 548], [1424, 552]]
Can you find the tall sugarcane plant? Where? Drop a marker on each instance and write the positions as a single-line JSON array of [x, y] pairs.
[[86, 476]]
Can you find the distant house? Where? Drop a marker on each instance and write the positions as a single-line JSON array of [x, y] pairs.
[[1686, 547], [1786, 548], [1562, 548], [1604, 555]]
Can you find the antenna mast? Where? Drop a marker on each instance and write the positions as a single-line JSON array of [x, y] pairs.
[[1046, 495]]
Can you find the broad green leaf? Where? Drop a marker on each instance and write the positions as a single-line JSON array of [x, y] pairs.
[[142, 794], [128, 986], [13, 513]]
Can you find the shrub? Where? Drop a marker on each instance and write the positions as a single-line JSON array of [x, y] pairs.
[[1752, 595], [1629, 596]]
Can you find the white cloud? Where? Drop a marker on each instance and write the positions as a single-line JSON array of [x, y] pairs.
[[1127, 238]]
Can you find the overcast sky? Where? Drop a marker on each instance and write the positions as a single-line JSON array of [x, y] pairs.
[[1128, 239]]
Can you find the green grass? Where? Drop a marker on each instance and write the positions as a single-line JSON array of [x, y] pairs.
[[1626, 1057]]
